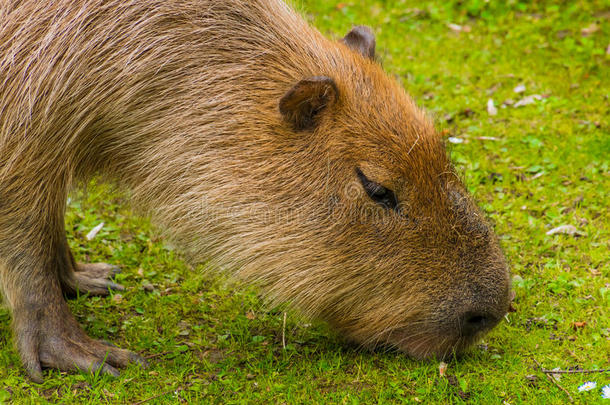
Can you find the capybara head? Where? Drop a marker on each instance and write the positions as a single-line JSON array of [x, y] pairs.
[[383, 240], [308, 170]]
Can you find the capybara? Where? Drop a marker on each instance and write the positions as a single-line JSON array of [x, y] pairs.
[[253, 142]]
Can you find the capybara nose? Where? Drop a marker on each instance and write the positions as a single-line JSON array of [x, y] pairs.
[[473, 322]]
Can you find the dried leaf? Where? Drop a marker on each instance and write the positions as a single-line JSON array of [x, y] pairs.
[[519, 89], [454, 27], [491, 108], [459, 28], [93, 233], [591, 29], [467, 112], [566, 230], [442, 368], [527, 100], [578, 325], [453, 139]]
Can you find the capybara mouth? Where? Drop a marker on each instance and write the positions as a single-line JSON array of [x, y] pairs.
[[423, 345], [427, 343]]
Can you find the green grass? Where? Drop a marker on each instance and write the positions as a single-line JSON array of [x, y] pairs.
[[548, 164]]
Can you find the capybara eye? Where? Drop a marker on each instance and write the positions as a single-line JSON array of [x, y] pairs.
[[378, 193]]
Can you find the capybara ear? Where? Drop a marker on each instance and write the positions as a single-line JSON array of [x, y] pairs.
[[301, 105], [362, 40]]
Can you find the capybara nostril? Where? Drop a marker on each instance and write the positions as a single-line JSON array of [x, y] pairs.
[[473, 322]]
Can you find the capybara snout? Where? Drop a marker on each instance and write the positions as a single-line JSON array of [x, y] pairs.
[[253, 142]]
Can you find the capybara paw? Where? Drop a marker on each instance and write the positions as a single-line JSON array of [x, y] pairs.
[[71, 350], [95, 278]]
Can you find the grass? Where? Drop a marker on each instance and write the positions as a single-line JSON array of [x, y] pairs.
[[541, 166]]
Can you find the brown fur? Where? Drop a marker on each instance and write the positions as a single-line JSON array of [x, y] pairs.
[[178, 100]]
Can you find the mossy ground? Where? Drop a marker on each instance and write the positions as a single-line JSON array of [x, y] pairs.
[[532, 168]]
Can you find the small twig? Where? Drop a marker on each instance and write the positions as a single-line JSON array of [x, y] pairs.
[[176, 390], [153, 397], [152, 356], [601, 370], [551, 379], [284, 332]]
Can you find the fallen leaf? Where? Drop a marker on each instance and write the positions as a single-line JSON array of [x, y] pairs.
[[578, 325], [519, 89], [453, 139], [458, 28], [250, 315], [566, 230], [591, 29], [535, 176], [454, 27], [527, 100], [442, 368], [491, 108], [467, 112], [93, 233]]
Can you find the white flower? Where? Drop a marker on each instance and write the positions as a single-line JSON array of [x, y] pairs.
[[588, 386], [606, 392]]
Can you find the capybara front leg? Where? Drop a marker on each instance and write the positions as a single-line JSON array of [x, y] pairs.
[[48, 336]]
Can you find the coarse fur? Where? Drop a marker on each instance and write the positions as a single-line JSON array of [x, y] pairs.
[[177, 100]]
